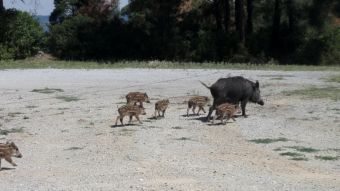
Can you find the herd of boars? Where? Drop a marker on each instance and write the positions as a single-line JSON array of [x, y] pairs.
[[227, 93]]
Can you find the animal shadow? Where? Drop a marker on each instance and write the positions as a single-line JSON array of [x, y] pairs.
[[191, 115], [219, 124], [4, 168], [155, 118], [202, 118], [125, 125]]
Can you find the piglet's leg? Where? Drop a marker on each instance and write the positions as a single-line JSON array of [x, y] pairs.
[[138, 119], [9, 159]]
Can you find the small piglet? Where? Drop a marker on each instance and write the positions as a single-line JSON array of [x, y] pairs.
[[161, 106], [226, 110], [130, 110], [197, 101], [7, 151], [133, 97]]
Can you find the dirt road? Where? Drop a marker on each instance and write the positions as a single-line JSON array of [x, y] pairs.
[[68, 140]]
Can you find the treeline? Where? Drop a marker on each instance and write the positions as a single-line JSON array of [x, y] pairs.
[[289, 31]]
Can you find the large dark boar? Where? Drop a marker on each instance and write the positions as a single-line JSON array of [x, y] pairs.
[[234, 90]]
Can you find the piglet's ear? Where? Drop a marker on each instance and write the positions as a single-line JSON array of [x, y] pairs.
[[257, 85]]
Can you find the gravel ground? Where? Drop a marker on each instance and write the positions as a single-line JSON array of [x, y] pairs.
[[74, 145]]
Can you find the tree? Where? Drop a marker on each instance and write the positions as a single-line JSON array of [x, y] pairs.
[[20, 35], [275, 36], [239, 19], [227, 15], [217, 14], [99, 9], [250, 9], [2, 8]]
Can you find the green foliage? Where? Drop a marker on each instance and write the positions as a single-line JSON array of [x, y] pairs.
[[320, 48], [304, 149], [332, 93], [334, 79], [20, 35], [285, 32], [47, 90], [291, 154], [66, 39], [268, 140], [327, 158]]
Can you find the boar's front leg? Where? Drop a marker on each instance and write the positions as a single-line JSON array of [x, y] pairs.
[[243, 107]]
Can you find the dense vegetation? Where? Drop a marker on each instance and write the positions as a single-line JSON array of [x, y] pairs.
[[20, 35], [299, 32]]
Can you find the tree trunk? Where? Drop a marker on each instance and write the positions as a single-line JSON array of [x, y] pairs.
[[227, 16], [276, 27], [239, 19], [217, 14], [250, 8], [2, 8], [291, 15]]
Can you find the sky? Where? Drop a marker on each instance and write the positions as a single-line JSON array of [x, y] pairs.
[[38, 7]]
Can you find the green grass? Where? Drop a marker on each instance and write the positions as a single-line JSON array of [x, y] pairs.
[[332, 93], [278, 78], [304, 149], [299, 159], [68, 98], [47, 90], [268, 141], [183, 139], [73, 148], [276, 75], [63, 108], [177, 127], [334, 79], [14, 114], [127, 130], [31, 106], [291, 154], [331, 158], [37, 64], [13, 130]]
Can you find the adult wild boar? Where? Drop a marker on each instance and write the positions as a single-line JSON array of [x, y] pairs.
[[234, 90]]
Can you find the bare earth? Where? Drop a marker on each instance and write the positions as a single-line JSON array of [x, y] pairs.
[[74, 145]]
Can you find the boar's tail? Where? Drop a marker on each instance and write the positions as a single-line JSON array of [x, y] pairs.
[[205, 85]]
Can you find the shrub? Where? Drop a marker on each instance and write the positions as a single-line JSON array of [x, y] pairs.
[[21, 35]]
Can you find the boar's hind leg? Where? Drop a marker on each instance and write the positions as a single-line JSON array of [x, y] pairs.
[[211, 109]]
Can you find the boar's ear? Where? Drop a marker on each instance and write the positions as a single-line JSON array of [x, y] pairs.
[[257, 85]]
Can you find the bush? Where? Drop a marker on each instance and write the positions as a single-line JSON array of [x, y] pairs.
[[65, 39], [320, 48], [21, 35]]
